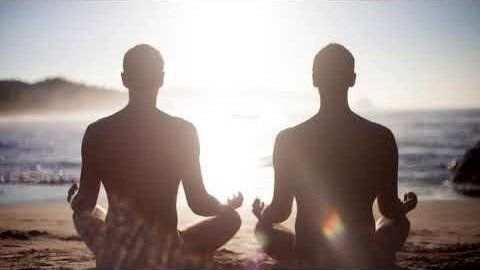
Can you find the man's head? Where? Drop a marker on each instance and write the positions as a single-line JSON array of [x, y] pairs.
[[333, 68], [142, 69]]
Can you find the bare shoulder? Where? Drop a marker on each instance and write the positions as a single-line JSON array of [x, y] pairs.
[[300, 128], [284, 135], [185, 133], [93, 128], [377, 133], [106, 126], [183, 126], [298, 131], [90, 137], [101, 124], [181, 129]]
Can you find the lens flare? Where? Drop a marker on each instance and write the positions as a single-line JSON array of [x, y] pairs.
[[332, 226]]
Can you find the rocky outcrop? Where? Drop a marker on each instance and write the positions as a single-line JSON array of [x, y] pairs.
[[466, 172]]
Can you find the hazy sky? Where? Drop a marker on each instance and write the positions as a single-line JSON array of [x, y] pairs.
[[408, 54]]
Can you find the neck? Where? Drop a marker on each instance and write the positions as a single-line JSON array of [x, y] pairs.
[[334, 102], [142, 102]]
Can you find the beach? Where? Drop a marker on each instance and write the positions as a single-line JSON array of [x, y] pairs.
[[445, 234], [325, 103], [40, 158]]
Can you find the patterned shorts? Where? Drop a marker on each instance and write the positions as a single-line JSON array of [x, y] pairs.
[[125, 240]]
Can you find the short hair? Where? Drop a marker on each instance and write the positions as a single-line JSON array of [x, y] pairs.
[[142, 57], [334, 57]]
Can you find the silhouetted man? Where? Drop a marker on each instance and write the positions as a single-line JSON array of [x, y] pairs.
[[335, 165], [141, 154]]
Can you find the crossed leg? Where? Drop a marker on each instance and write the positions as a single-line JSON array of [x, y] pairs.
[[279, 242], [203, 237], [200, 239], [390, 235], [210, 234], [90, 226]]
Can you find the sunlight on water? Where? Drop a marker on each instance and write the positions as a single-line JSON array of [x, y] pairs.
[[236, 136]]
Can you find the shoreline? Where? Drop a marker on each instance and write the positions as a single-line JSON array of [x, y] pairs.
[[23, 192]]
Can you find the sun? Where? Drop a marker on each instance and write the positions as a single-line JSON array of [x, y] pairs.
[[227, 43]]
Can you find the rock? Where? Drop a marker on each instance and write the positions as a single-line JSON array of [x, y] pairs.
[[21, 235], [466, 172]]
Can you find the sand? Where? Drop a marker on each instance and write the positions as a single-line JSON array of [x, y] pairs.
[[40, 235]]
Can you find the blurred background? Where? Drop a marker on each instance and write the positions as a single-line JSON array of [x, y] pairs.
[[241, 72]]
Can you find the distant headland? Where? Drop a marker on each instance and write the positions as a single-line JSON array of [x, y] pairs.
[[55, 95]]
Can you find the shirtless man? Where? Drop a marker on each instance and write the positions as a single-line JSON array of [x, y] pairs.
[[141, 154], [335, 165]]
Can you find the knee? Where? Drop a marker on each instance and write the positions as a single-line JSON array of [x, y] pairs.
[[80, 216], [80, 223], [262, 228], [393, 233], [403, 224], [398, 224], [232, 220], [81, 220]]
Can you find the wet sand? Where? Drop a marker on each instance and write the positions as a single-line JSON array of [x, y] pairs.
[[445, 235]]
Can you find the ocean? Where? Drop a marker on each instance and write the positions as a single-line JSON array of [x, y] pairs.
[[40, 157]]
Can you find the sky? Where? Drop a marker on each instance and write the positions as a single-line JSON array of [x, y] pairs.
[[409, 55]]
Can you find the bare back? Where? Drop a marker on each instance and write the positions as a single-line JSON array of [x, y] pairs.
[[141, 159], [335, 168]]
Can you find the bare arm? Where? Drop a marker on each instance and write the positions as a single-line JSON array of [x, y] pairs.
[[389, 204], [89, 180], [198, 198], [281, 205]]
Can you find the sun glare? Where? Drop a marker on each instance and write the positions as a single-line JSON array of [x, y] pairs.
[[226, 40], [332, 226], [228, 154]]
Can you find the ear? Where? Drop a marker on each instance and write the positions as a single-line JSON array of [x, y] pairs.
[[353, 79], [160, 79], [315, 79], [124, 79]]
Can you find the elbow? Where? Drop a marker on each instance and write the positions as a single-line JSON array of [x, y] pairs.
[[389, 214], [201, 212], [197, 209], [284, 215], [202, 209]]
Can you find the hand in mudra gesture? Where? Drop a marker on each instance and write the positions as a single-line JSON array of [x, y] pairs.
[[235, 201], [410, 200], [257, 208]]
